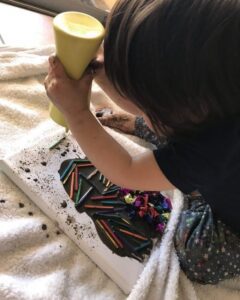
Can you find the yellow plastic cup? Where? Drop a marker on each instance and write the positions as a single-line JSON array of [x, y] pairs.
[[77, 38]]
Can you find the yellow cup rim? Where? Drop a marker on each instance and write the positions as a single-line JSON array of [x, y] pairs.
[[56, 26]]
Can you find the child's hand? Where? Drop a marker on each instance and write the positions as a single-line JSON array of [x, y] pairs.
[[120, 120], [97, 64], [70, 96]]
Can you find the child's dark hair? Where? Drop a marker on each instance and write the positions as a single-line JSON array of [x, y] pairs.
[[177, 60]]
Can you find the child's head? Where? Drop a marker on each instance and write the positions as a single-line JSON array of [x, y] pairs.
[[178, 60]]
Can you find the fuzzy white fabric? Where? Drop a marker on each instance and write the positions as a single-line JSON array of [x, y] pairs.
[[34, 266]]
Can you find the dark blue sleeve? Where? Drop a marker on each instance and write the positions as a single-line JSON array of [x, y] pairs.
[[186, 166], [208, 162]]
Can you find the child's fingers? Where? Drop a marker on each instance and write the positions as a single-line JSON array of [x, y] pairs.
[[105, 120], [58, 79], [103, 112], [51, 60], [115, 122], [96, 65], [118, 121], [85, 81], [56, 67], [111, 120]]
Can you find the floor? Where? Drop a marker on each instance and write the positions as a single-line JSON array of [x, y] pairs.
[[20, 27]]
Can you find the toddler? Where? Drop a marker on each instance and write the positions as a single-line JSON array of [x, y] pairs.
[[174, 66]]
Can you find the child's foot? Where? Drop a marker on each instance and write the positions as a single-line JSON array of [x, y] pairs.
[[120, 120]]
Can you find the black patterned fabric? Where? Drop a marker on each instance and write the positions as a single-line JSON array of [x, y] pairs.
[[208, 250]]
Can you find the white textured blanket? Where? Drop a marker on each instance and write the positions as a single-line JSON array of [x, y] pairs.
[[46, 264]]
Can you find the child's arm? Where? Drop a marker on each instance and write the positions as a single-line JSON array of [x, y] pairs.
[[71, 97], [139, 172]]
